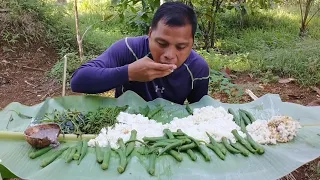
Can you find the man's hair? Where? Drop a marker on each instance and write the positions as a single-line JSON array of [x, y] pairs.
[[175, 14]]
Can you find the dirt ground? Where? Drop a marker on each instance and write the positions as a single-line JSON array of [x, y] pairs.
[[23, 79], [23, 75]]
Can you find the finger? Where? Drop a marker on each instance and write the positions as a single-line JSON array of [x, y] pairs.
[[163, 67], [160, 74]]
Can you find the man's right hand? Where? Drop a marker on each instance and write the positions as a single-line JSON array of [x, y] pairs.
[[145, 69]]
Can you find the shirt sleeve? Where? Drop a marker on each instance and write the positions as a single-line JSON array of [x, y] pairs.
[[201, 82], [107, 71]]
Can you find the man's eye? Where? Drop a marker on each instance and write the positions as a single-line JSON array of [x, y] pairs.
[[181, 47], [162, 44]]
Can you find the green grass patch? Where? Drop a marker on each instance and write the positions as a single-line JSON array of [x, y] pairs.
[[301, 62], [218, 61]]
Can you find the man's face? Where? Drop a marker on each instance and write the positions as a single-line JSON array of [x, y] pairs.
[[170, 45]]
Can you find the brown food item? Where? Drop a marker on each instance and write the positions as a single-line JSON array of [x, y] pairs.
[[42, 135]]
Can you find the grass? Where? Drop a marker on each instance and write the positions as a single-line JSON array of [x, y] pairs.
[[269, 42]]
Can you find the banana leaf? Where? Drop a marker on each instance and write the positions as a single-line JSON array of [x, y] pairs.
[[277, 161]]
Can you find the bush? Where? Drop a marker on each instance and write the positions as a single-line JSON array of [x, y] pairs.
[[20, 23]]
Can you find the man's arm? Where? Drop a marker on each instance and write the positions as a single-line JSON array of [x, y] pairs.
[[107, 71], [201, 72]]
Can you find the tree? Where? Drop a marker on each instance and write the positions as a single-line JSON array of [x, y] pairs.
[[138, 13], [79, 39], [305, 12]]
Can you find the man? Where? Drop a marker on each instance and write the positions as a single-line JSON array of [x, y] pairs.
[[160, 65]]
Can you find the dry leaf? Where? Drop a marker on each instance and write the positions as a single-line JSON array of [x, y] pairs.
[[287, 80]]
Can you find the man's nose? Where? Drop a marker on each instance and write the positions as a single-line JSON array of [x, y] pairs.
[[170, 56]]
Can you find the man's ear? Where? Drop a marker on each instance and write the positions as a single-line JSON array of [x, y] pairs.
[[150, 31]]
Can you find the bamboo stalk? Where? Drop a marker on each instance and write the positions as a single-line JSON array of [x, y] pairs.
[[11, 135], [64, 76], [73, 137], [7, 135]]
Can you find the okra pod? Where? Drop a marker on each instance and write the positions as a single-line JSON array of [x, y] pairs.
[[65, 154], [177, 134], [106, 158], [222, 148], [215, 144], [152, 113], [78, 153], [39, 152], [235, 117], [84, 150], [176, 155], [217, 151], [175, 140], [192, 155], [123, 161], [243, 141], [181, 137], [52, 157], [153, 139], [187, 146], [204, 153], [243, 125], [168, 133], [189, 110], [228, 146], [99, 153], [121, 144], [70, 155], [245, 118], [131, 145], [259, 149], [249, 115], [160, 144], [211, 139], [171, 146], [191, 138], [152, 163], [242, 149]]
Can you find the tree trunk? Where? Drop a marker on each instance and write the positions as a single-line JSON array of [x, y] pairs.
[[216, 4], [79, 40], [304, 17]]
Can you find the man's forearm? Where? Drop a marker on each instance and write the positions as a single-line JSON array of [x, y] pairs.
[[93, 80]]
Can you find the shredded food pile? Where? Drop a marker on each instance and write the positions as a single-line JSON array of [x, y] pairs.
[[278, 129]]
